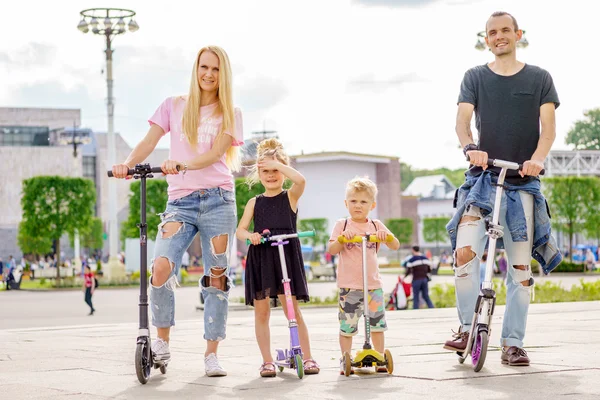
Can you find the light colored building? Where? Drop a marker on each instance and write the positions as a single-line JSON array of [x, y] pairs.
[[326, 176], [435, 194], [29, 146]]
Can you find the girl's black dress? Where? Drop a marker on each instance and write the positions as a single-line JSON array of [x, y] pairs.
[[263, 268]]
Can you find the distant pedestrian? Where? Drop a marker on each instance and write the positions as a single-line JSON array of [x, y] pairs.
[[89, 285], [590, 260], [419, 266]]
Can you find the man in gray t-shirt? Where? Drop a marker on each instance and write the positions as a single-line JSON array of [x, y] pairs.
[[510, 99]]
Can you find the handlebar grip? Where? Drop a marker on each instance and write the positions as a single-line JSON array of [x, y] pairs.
[[358, 239], [248, 242], [542, 172], [307, 233], [132, 171], [492, 163]]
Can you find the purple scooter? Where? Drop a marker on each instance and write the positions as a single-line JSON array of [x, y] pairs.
[[287, 358], [481, 326]]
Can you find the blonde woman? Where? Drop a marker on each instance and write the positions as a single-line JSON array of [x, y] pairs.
[[276, 210], [206, 131]]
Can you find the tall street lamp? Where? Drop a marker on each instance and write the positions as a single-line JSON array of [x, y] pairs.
[[110, 22], [480, 45]]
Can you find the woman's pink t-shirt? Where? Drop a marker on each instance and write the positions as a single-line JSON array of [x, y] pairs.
[[349, 273], [169, 116]]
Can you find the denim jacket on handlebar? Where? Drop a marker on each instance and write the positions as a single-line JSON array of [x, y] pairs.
[[479, 191]]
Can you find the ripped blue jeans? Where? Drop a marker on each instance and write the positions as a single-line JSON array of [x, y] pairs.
[[467, 277], [212, 212]]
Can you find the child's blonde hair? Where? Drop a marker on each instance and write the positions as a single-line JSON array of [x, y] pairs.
[[267, 148], [362, 184]]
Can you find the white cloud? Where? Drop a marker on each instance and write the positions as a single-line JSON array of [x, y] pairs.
[[328, 75]]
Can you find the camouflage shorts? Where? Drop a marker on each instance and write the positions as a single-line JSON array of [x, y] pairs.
[[351, 305]]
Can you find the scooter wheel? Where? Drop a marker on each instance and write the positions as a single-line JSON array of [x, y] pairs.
[[389, 361], [143, 362], [280, 368], [299, 366], [479, 350], [163, 369], [347, 360], [461, 359]]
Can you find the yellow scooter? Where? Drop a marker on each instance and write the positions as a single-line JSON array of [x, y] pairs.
[[367, 357]]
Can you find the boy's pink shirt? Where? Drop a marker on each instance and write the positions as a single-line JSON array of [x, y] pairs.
[[349, 274], [169, 116]]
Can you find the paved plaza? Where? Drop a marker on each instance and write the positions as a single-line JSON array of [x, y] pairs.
[[65, 354]]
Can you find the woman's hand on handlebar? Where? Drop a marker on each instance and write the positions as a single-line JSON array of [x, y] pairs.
[[120, 170], [169, 167], [478, 158], [255, 238]]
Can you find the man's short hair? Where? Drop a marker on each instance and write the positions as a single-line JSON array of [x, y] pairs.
[[416, 248], [501, 14]]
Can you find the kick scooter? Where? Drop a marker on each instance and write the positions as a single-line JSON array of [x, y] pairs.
[[481, 326], [144, 358], [292, 357], [367, 357]]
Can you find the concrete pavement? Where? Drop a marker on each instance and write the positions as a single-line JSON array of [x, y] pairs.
[[95, 360]]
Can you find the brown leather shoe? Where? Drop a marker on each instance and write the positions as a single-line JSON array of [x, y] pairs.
[[515, 357], [458, 343]]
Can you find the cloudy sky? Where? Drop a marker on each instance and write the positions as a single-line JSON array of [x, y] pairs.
[[369, 76]]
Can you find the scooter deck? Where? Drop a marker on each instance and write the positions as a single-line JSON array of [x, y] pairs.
[[368, 358]]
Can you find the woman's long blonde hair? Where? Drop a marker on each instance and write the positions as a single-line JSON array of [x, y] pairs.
[[267, 148], [191, 113]]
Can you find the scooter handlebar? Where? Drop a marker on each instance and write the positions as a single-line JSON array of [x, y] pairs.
[[134, 171], [291, 235], [358, 239], [494, 162]]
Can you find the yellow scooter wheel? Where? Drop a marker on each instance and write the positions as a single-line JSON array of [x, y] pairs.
[[389, 361], [347, 360]]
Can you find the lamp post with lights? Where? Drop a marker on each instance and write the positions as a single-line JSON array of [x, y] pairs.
[[110, 22]]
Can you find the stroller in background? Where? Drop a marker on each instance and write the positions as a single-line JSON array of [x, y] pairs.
[[399, 296]]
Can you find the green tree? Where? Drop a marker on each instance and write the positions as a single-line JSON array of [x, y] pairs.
[[320, 227], [407, 174], [243, 194], [571, 199], [53, 206], [30, 242], [434, 230], [402, 228], [91, 238], [156, 201], [585, 134], [592, 218]]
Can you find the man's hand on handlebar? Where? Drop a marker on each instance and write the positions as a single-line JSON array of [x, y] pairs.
[[478, 158], [120, 171], [171, 167], [531, 168]]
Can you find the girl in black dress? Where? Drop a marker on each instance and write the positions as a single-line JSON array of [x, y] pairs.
[[276, 210]]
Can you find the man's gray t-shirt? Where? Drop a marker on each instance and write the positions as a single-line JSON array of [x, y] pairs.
[[507, 112]]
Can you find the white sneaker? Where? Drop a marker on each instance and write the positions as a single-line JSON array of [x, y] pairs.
[[212, 367], [160, 350]]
